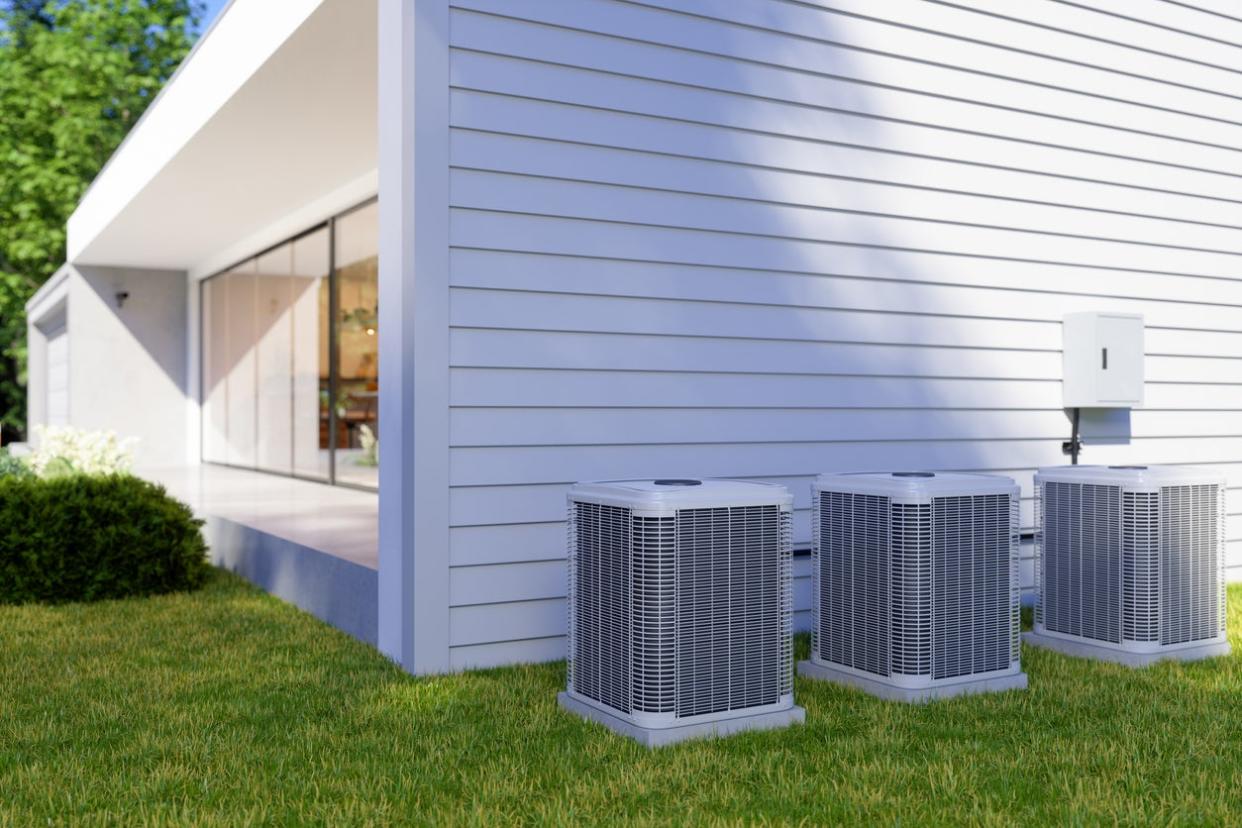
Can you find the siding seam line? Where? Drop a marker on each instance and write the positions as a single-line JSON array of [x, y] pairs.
[[847, 211], [843, 243], [1193, 7], [478, 90], [810, 475], [871, 116], [720, 56], [816, 174], [894, 280]]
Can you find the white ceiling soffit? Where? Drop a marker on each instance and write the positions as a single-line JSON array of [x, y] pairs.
[[273, 111]]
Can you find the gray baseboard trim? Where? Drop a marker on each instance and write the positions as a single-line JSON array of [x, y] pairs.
[[339, 592], [1084, 649], [659, 737], [884, 690]]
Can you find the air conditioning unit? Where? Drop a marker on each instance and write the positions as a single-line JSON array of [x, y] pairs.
[[680, 607], [915, 586], [1130, 563]]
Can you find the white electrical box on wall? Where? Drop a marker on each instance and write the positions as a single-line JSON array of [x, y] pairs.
[[1102, 360]]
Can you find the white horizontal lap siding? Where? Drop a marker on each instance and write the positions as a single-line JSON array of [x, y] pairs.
[[766, 240]]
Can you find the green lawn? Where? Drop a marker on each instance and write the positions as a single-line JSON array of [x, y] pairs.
[[229, 707]]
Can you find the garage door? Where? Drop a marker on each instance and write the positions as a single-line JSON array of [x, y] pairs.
[[58, 376]]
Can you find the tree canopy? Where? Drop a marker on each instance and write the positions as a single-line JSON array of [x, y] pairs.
[[75, 76]]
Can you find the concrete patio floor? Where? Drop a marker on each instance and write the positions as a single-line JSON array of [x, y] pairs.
[[309, 543]]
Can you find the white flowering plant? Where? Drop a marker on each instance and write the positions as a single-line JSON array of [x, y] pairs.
[[370, 447], [65, 450]]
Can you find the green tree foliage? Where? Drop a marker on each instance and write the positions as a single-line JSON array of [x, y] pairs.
[[75, 75]]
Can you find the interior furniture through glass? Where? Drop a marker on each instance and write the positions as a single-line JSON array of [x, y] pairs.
[[290, 356]]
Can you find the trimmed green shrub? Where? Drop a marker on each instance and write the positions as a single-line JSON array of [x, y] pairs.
[[89, 538]]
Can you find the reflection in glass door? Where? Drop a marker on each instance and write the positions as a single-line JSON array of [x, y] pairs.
[[274, 360], [242, 413], [357, 352], [311, 286], [215, 391], [290, 356]]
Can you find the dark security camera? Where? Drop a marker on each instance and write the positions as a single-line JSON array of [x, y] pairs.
[[121, 296]]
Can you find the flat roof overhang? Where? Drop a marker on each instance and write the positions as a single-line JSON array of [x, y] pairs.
[[273, 113]]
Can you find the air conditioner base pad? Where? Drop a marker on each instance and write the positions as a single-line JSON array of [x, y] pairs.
[[658, 737], [877, 687], [1084, 649]]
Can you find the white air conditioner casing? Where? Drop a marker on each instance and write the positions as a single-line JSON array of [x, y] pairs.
[[680, 607], [916, 592], [1130, 563]]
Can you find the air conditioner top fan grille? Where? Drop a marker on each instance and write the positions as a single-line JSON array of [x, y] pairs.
[[669, 494], [915, 486], [1130, 478]]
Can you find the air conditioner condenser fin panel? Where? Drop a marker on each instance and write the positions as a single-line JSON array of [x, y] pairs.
[[915, 582], [680, 612], [1130, 562]]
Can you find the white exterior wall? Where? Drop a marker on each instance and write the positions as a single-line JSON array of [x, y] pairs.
[[46, 314], [126, 367], [57, 397], [771, 239]]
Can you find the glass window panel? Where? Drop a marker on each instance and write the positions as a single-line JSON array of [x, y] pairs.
[[272, 349], [274, 360], [215, 370], [242, 375], [357, 397], [310, 355]]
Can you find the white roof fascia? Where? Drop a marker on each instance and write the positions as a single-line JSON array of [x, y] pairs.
[[49, 294], [246, 35]]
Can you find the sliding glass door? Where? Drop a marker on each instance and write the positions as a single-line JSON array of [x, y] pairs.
[[273, 345], [290, 356], [357, 353], [311, 291], [215, 372], [240, 332]]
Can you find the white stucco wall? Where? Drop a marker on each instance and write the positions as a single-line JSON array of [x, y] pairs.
[[46, 313], [771, 239], [127, 363]]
